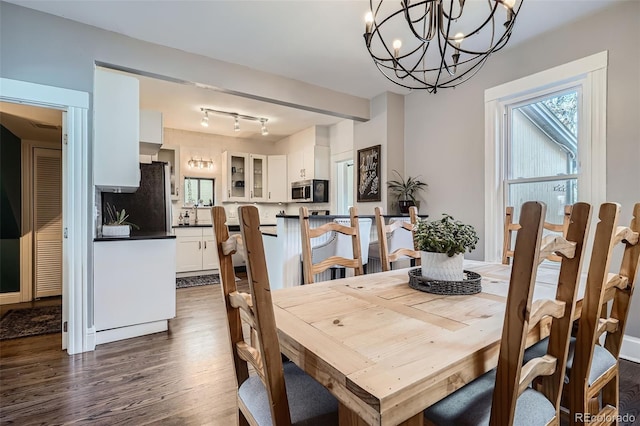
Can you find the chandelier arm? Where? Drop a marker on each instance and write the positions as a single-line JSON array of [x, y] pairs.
[[432, 14]]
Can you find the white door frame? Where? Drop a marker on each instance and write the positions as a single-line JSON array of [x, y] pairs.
[[76, 208]]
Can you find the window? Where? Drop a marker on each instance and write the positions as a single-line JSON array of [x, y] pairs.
[[545, 140], [541, 158], [199, 191]]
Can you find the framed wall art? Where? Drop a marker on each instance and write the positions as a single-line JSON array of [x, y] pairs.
[[369, 174]]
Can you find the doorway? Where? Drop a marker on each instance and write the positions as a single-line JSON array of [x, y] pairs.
[[345, 178], [77, 309], [31, 217]]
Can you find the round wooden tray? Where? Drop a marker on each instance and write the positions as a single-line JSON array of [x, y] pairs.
[[470, 285]]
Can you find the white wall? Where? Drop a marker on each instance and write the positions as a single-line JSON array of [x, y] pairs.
[[385, 128], [444, 133], [51, 50]]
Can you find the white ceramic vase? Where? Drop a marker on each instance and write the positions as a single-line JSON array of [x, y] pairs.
[[116, 230], [439, 266]]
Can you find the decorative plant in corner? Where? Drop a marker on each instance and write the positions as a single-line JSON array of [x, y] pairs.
[[406, 191], [443, 244], [117, 224]]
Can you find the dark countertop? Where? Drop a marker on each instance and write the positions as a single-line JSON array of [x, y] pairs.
[[233, 228], [334, 216], [139, 236]]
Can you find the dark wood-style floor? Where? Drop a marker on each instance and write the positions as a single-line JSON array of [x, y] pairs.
[[181, 377]]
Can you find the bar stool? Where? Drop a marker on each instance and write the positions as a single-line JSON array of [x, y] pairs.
[[333, 253]]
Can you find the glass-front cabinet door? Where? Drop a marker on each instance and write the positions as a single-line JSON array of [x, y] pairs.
[[258, 177], [236, 173]]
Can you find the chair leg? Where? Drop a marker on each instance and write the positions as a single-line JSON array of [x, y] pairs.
[[333, 273], [242, 420], [364, 268], [610, 392]]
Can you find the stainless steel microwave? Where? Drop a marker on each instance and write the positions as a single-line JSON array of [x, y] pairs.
[[310, 191]]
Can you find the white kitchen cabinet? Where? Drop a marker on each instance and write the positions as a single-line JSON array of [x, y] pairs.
[[235, 173], [209, 250], [258, 181], [171, 154], [116, 124], [244, 177], [150, 132], [134, 287], [310, 162], [277, 183], [195, 249]]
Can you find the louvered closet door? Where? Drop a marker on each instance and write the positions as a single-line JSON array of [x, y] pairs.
[[47, 220]]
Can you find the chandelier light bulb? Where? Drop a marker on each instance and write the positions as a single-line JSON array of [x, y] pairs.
[[458, 38], [509, 3], [264, 130], [397, 44], [368, 21], [205, 120]]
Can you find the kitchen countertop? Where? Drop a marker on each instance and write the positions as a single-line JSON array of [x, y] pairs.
[[139, 236], [232, 228], [334, 216], [271, 231]]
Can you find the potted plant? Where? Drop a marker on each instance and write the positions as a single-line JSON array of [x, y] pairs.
[[443, 244], [116, 224], [406, 191]]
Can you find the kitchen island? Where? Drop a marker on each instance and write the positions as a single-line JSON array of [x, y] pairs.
[[134, 280]]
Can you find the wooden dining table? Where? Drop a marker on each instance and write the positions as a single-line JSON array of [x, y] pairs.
[[387, 351]]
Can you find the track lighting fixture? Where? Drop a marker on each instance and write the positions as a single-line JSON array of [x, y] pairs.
[[236, 119]]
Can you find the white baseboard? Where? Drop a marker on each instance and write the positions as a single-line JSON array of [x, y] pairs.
[[90, 339], [630, 348], [197, 273], [8, 298], [122, 333]]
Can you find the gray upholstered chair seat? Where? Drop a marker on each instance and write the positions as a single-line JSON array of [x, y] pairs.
[[602, 358], [471, 405], [310, 403]]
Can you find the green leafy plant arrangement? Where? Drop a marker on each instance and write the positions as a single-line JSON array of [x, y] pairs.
[[118, 217], [406, 189], [446, 235]]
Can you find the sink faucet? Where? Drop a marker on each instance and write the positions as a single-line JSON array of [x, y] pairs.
[[195, 211]]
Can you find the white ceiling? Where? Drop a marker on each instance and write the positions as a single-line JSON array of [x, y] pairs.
[[32, 123], [318, 42]]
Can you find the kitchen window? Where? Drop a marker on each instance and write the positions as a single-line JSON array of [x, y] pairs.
[[200, 191]]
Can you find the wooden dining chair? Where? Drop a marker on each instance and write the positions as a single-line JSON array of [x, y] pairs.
[[510, 227], [592, 370], [594, 375], [278, 394], [503, 396], [309, 269], [389, 252]]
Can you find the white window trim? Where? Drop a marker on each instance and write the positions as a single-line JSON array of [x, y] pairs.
[[592, 70], [76, 206]]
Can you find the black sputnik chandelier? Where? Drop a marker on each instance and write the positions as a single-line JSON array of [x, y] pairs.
[[432, 44]]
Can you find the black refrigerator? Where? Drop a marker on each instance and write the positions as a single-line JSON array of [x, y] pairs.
[[150, 206]]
